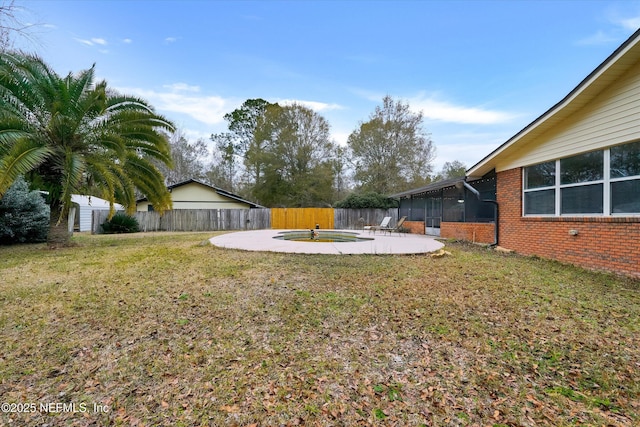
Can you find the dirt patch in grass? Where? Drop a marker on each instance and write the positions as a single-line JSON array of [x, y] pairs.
[[164, 329]]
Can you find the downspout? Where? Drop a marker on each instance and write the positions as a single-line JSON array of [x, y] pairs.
[[493, 202]]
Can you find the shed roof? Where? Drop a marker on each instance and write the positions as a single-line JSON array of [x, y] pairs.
[[218, 190], [605, 74], [93, 202]]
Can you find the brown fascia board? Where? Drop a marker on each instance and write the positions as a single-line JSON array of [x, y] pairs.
[[589, 87]]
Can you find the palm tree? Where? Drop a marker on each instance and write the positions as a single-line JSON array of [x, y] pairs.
[[70, 135]]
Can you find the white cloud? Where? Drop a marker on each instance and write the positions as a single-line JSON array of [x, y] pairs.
[[170, 40], [620, 24], [340, 136], [624, 16], [367, 94], [209, 110], [632, 23], [314, 105], [93, 41], [443, 111], [451, 147], [127, 41], [599, 38], [83, 41], [194, 135], [178, 87]]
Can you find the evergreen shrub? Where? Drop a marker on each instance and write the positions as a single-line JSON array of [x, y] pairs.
[[121, 223], [24, 215], [370, 200]]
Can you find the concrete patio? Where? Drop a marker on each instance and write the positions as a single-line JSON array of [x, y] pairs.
[[381, 244]]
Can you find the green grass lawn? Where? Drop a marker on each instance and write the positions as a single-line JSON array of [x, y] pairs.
[[164, 329]]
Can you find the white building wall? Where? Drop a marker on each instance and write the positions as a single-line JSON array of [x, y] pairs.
[[86, 215], [197, 196], [86, 204]]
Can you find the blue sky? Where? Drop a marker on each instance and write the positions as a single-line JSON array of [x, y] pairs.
[[479, 71]]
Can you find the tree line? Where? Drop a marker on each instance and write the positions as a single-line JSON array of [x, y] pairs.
[[283, 155]]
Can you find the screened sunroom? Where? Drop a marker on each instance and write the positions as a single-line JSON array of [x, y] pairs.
[[449, 204]]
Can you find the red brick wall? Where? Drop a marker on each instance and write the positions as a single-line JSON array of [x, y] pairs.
[[477, 232], [414, 227], [602, 243]]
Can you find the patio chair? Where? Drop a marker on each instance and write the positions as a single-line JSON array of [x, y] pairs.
[[397, 228], [384, 224]]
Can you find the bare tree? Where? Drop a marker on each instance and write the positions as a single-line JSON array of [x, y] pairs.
[[188, 159], [223, 169], [11, 25]]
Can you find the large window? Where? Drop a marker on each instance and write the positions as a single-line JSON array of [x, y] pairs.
[[603, 182], [581, 184], [625, 178], [539, 186]]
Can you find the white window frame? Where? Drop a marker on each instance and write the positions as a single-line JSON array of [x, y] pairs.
[[532, 190], [606, 192]]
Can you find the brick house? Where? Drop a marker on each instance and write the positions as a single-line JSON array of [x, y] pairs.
[[568, 184]]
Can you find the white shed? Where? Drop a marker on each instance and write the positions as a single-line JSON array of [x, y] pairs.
[[84, 206]]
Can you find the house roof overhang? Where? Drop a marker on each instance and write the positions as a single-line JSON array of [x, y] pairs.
[[604, 75], [439, 185]]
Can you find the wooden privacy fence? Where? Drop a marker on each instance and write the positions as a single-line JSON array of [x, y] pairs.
[[195, 220], [329, 218], [355, 219], [297, 218], [253, 219]]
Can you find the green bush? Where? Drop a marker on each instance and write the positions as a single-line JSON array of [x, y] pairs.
[[121, 223], [24, 215], [369, 200]]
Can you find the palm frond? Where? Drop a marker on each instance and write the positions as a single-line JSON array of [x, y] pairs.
[[22, 157], [11, 130], [72, 171], [28, 78], [148, 179], [159, 151], [142, 133], [81, 84], [126, 191], [105, 178]]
